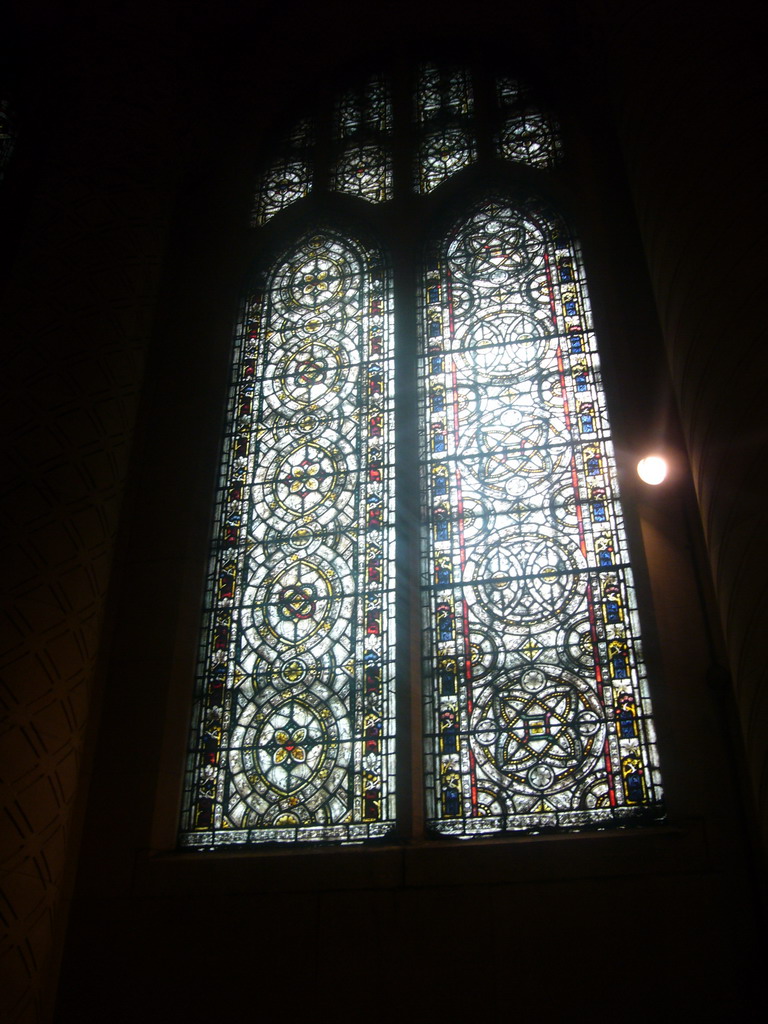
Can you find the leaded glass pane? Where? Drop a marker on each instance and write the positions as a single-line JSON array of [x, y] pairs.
[[527, 135], [443, 93], [442, 154], [364, 171], [530, 138], [301, 136], [285, 182], [366, 110], [508, 91], [444, 106], [538, 715], [295, 737]]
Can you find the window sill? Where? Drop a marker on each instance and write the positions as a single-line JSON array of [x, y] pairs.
[[656, 849]]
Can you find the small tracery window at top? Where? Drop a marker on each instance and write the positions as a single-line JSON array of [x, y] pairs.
[[442, 154], [357, 156], [443, 93], [289, 177], [363, 118], [286, 181], [527, 135], [365, 110], [444, 108], [364, 171], [295, 735], [538, 715]]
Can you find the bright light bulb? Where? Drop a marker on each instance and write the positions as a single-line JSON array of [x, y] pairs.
[[652, 469]]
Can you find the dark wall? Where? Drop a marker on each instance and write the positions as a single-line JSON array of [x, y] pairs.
[[126, 249]]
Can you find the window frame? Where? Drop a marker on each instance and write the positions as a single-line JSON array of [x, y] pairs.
[[429, 215]]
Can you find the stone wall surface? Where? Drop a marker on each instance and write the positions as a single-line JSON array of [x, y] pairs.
[[688, 113], [77, 311]]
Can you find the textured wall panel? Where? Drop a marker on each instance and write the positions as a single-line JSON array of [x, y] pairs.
[[77, 312], [687, 93]]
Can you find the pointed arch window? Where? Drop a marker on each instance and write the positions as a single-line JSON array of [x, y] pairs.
[[538, 713], [296, 720], [536, 710]]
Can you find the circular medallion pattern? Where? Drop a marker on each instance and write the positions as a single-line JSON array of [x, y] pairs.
[[306, 477], [286, 745], [317, 280], [521, 456], [310, 373], [291, 746], [544, 734], [528, 579], [296, 603]]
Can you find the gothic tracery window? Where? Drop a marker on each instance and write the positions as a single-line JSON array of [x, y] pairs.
[[537, 708], [296, 721], [536, 711]]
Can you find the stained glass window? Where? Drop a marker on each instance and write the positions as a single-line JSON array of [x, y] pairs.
[[289, 177], [442, 154], [443, 92], [444, 107], [360, 161], [527, 134], [286, 181], [296, 714], [538, 714], [363, 118], [365, 110], [364, 171]]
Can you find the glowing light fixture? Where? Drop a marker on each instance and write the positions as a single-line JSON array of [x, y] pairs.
[[652, 469]]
